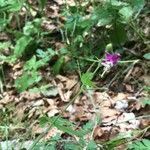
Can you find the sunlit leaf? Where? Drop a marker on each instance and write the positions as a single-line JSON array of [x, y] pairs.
[[147, 56], [86, 79], [21, 45]]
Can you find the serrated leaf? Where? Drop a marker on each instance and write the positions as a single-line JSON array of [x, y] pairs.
[[126, 13], [32, 28], [144, 144], [26, 80], [86, 79], [21, 45], [102, 17], [31, 64], [147, 56]]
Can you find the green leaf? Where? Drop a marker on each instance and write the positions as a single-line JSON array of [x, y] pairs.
[[126, 13], [118, 35], [71, 146], [147, 56], [51, 145], [4, 45], [58, 65], [31, 64], [91, 145], [109, 47], [86, 79], [14, 5], [11, 5], [102, 17], [32, 28], [42, 3], [3, 3], [26, 80], [146, 102], [144, 144], [88, 127], [43, 121], [50, 91], [147, 88], [21, 45], [64, 125], [137, 4], [117, 3], [118, 140]]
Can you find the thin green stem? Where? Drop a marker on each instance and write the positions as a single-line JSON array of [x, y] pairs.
[[44, 133]]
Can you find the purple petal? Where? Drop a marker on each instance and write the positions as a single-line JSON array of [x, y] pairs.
[[112, 58]]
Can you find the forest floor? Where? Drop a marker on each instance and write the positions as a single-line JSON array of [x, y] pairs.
[[119, 104]]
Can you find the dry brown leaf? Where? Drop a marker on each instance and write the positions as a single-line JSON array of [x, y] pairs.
[[70, 84], [31, 112], [144, 123], [146, 79], [19, 113], [52, 133], [38, 103], [7, 99], [106, 112], [47, 25], [61, 94], [51, 102], [101, 96], [4, 36], [67, 96], [59, 2], [52, 112], [29, 96], [120, 96], [137, 71], [36, 129], [129, 88], [61, 78], [104, 133], [98, 132], [17, 66]]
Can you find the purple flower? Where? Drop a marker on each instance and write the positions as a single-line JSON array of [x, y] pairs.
[[111, 59]]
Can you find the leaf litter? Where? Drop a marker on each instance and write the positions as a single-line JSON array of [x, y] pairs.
[[118, 111]]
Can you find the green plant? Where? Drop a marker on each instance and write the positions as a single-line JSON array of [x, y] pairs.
[[87, 35], [30, 73], [6, 8], [147, 56], [70, 128], [143, 144]]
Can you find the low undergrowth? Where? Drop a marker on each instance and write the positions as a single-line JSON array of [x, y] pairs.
[[91, 39]]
